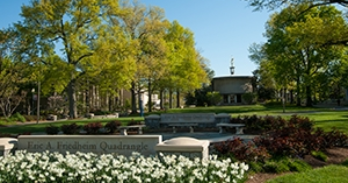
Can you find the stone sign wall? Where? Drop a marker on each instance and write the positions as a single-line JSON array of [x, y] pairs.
[[99, 144]]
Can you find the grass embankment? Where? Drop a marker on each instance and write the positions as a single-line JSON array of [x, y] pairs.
[[332, 174]]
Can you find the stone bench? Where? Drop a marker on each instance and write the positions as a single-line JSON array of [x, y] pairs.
[[239, 127], [185, 146], [7, 146], [204, 120], [190, 125], [123, 129]]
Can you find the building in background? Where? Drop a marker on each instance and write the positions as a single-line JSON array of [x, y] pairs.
[[232, 87]]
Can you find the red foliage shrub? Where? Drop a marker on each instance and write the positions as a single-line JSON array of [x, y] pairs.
[[242, 151], [71, 128], [112, 126], [280, 137], [93, 128]]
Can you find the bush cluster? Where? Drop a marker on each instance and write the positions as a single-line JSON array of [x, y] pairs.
[[100, 112], [70, 129], [90, 128], [293, 138], [52, 130], [17, 117], [93, 128], [112, 126]]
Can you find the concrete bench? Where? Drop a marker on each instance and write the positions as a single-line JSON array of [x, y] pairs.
[[123, 129], [185, 146], [199, 120], [7, 146], [190, 125], [239, 127]]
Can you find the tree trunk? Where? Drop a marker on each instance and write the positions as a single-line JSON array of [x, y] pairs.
[[87, 99], [133, 99], [339, 96], [170, 99], [291, 96], [150, 97], [93, 97], [140, 103], [309, 102], [161, 98], [72, 100], [298, 90], [98, 98], [283, 99], [178, 98], [107, 101]]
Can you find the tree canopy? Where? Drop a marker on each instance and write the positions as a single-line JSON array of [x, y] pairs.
[[297, 49], [68, 45], [275, 4]]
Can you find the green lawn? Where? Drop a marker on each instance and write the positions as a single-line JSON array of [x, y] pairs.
[[323, 117], [41, 126], [328, 174]]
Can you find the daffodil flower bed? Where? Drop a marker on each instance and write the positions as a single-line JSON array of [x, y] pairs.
[[90, 168]]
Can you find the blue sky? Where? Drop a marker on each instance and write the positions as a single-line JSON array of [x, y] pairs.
[[222, 28]]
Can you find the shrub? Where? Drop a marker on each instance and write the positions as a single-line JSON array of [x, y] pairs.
[[236, 148], [29, 117], [131, 123], [100, 112], [276, 167], [300, 122], [252, 122], [289, 141], [334, 138], [255, 166], [71, 128], [298, 165], [214, 97], [294, 137], [112, 126], [237, 119], [18, 117], [319, 155], [93, 128], [285, 164], [345, 163], [249, 98], [52, 130]]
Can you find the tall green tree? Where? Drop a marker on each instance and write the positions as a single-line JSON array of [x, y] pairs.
[[186, 66], [13, 74], [297, 48], [144, 28], [75, 31]]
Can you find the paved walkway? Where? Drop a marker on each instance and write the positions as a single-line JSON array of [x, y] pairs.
[[211, 136]]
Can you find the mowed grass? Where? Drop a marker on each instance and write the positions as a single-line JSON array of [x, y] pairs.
[[328, 174], [325, 118], [40, 127]]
